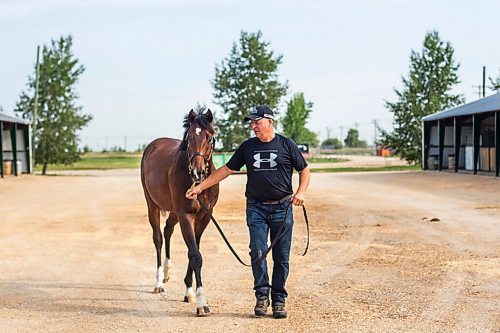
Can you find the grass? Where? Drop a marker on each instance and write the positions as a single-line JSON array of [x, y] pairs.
[[326, 160], [107, 161], [100, 161], [346, 151], [370, 169]]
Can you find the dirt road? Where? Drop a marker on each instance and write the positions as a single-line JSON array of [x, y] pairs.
[[390, 252]]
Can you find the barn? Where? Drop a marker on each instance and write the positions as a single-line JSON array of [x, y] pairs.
[[463, 138], [15, 155]]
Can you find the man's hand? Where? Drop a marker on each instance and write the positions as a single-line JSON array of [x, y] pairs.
[[298, 199], [193, 192]]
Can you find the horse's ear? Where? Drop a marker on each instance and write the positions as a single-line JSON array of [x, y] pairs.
[[191, 115], [209, 115]]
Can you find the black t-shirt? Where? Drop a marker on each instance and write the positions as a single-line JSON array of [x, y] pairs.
[[269, 166]]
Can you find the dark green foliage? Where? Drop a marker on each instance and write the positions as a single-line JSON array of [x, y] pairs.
[[495, 83], [433, 73], [294, 122], [246, 78], [59, 118], [332, 143], [352, 139]]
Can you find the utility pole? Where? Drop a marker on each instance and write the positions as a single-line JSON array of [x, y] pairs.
[[481, 89], [125, 143], [35, 109], [375, 126], [484, 81], [341, 133], [328, 132], [478, 90]]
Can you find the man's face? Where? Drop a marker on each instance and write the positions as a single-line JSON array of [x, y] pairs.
[[262, 127]]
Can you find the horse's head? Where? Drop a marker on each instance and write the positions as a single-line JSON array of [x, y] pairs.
[[199, 143]]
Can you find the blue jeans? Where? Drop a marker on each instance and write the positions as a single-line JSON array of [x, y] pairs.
[[262, 219]]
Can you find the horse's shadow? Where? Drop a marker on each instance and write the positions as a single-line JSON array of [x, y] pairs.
[[46, 297]]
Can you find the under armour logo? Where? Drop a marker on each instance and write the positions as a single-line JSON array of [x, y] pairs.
[[270, 160]]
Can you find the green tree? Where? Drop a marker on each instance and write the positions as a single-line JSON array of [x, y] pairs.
[[334, 143], [246, 78], [495, 83], [59, 118], [433, 73], [294, 122], [352, 139]]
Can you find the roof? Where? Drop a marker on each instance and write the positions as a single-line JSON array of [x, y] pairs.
[[486, 104], [9, 119]]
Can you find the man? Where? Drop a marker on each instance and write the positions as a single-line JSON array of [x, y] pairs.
[[270, 159]]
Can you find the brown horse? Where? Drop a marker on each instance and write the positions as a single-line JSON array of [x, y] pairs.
[[169, 167]]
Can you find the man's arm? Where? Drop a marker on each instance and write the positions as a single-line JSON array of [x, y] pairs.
[[214, 178], [300, 196]]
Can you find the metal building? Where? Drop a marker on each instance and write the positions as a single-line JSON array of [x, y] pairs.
[[463, 138], [15, 155]]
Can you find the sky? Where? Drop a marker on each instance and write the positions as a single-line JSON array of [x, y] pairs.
[[149, 62]]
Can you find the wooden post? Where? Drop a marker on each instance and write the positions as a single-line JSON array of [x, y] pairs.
[[1, 149], [457, 133], [425, 144], [497, 143], [441, 143], [476, 130], [13, 137]]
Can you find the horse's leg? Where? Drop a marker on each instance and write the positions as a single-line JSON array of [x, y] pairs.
[[167, 233], [187, 222], [190, 296], [202, 308], [154, 220]]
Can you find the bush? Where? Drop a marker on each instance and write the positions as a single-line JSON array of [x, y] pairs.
[[332, 143]]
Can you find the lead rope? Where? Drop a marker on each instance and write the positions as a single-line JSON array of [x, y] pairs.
[[222, 233], [275, 240]]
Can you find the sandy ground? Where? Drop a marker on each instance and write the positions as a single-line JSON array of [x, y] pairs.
[[390, 252]]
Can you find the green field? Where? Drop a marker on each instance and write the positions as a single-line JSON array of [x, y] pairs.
[[100, 161], [326, 160], [107, 161]]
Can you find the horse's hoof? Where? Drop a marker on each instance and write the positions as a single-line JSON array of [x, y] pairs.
[[202, 311], [190, 299], [158, 290], [165, 280]]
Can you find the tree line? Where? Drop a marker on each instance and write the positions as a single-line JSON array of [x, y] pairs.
[[248, 76]]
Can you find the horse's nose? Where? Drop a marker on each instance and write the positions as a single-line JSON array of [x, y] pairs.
[[198, 175]]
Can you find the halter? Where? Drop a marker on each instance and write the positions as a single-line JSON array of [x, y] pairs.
[[206, 159]]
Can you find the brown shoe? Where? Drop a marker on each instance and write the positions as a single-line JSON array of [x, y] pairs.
[[261, 307], [279, 311]]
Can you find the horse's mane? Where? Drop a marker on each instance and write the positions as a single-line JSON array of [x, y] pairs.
[[201, 120]]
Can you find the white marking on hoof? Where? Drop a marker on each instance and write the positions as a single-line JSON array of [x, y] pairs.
[[189, 296], [159, 279], [198, 130], [166, 270], [200, 294]]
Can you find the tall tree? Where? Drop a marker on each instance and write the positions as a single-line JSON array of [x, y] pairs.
[[352, 139], [59, 118], [246, 78], [433, 73], [294, 122]]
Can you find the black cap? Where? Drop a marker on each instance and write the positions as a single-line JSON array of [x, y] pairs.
[[259, 112]]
